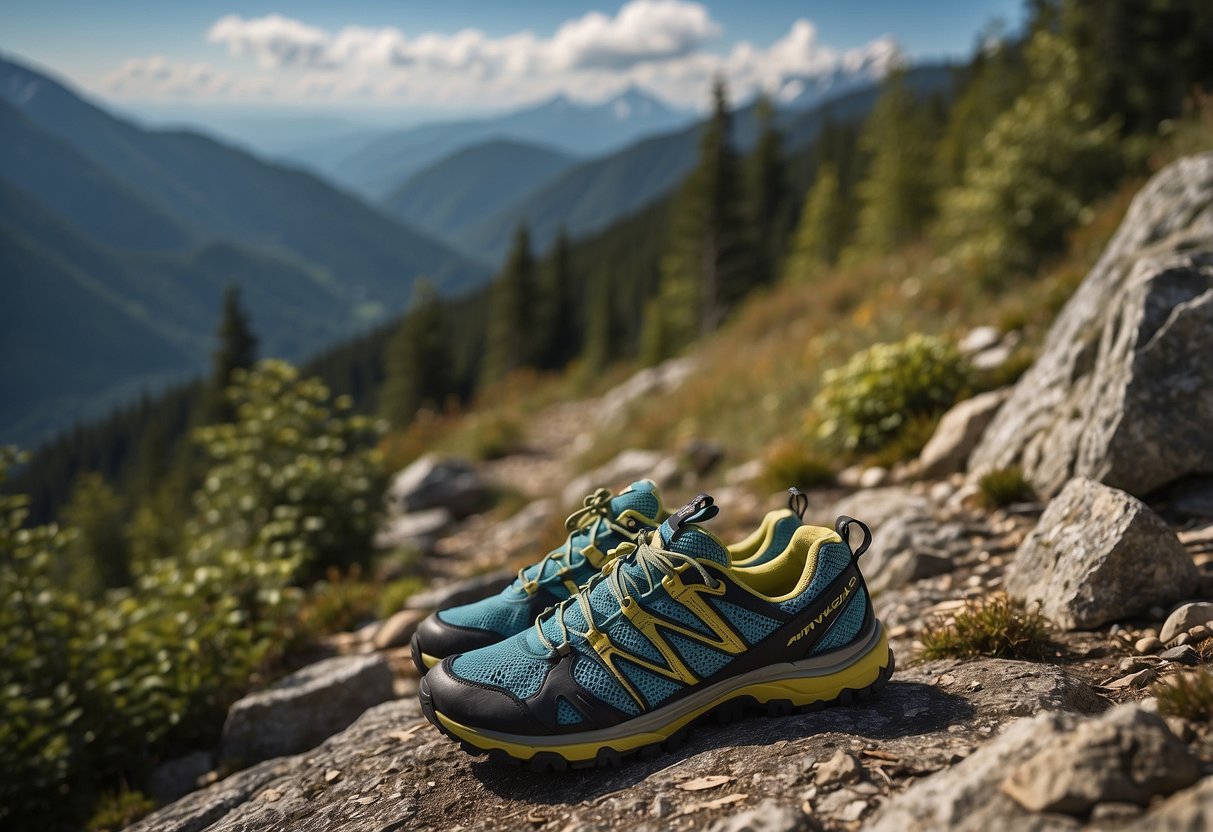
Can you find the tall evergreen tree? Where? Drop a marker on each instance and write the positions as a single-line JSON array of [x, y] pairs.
[[417, 359], [897, 196], [820, 235], [1041, 164], [511, 339], [555, 330], [237, 351], [596, 350], [709, 264], [99, 554], [769, 194]]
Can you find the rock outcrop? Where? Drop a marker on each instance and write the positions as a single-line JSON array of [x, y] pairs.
[[392, 771], [1122, 391], [1099, 555], [305, 708], [433, 482]]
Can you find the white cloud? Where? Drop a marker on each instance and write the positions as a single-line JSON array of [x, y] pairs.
[[661, 45]]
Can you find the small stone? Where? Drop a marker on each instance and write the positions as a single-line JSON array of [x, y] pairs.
[[854, 810], [1131, 664], [1185, 617], [332, 775], [841, 768], [1184, 654], [957, 434], [661, 807], [1114, 813], [1136, 680], [397, 630], [768, 816], [873, 477], [1180, 727], [1149, 644], [1199, 633], [1182, 639]]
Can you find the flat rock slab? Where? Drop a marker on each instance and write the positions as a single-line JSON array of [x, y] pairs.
[[1100, 555], [391, 770], [305, 708]]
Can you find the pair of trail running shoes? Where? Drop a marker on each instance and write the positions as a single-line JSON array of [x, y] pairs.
[[643, 621]]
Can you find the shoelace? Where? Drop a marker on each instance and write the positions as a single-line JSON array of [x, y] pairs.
[[622, 584], [594, 514]]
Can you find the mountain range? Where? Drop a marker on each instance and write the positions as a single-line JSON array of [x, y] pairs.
[[383, 162], [138, 231]]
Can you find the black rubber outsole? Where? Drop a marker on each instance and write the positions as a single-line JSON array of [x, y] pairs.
[[731, 710], [415, 651]]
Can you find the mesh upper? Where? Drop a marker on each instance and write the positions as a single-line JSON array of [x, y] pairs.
[[509, 664], [846, 628], [602, 683], [566, 714], [703, 660], [832, 558], [752, 626], [504, 613], [624, 634], [655, 689], [784, 529]]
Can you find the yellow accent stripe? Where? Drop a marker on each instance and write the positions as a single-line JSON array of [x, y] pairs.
[[428, 660], [800, 691]]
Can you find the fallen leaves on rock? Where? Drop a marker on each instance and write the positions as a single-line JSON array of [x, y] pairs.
[[718, 803], [710, 781]]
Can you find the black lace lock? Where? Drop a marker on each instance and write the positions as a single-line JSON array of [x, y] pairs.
[[843, 527], [798, 501]]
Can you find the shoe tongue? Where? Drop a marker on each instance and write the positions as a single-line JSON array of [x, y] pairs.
[[681, 532], [641, 497]]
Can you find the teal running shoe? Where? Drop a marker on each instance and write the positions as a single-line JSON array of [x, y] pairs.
[[670, 630], [603, 523]]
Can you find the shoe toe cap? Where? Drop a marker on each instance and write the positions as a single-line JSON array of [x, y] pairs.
[[439, 639], [477, 705]]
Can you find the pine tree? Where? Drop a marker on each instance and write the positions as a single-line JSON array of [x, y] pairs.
[[99, 555], [596, 351], [237, 351], [417, 360], [819, 236], [897, 195], [769, 197], [709, 266], [511, 339], [1037, 170], [556, 333]]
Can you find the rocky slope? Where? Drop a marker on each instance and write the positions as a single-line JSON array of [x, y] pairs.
[[1111, 424]]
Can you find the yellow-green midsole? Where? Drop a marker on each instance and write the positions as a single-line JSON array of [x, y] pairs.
[[799, 690]]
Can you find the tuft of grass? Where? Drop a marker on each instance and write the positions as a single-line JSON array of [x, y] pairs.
[[118, 811], [336, 604], [789, 462], [1004, 487], [1188, 695], [391, 601], [998, 627]]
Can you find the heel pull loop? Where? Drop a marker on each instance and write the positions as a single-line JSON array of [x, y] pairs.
[[798, 501], [843, 527]]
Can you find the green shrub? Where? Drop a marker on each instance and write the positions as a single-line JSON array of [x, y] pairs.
[[493, 435], [789, 463], [97, 690], [998, 627], [1003, 487], [391, 601], [869, 401], [118, 811], [337, 604], [1188, 695]]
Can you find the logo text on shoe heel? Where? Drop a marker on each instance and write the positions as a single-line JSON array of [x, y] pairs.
[[835, 604]]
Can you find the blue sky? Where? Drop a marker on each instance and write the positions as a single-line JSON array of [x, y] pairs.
[[319, 55]]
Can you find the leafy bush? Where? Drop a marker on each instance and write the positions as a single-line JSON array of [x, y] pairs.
[[96, 691], [293, 476], [789, 462], [1004, 487], [869, 401], [391, 601], [1188, 695], [118, 811], [998, 627]]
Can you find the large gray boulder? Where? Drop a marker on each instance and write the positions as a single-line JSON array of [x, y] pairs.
[[1099, 555], [1123, 389], [306, 708]]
